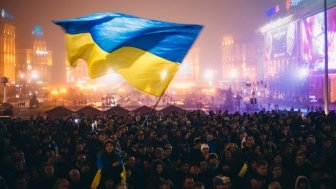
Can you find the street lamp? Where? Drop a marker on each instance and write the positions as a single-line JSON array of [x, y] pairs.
[[209, 76], [55, 93], [233, 74], [63, 92]]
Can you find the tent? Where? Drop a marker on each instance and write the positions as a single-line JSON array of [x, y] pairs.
[[144, 110], [117, 110], [58, 112], [88, 111], [170, 109]]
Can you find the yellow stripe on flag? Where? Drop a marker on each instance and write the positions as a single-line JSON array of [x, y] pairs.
[[144, 70]]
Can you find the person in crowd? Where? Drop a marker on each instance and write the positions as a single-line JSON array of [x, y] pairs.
[[221, 182], [189, 148], [61, 184], [158, 174], [75, 179], [86, 174], [301, 167], [278, 175], [199, 185], [274, 185], [259, 178], [121, 186], [211, 171], [205, 150], [188, 182], [110, 163], [18, 182], [49, 178], [302, 182], [166, 184]]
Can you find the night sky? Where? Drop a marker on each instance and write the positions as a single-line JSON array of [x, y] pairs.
[[218, 17]]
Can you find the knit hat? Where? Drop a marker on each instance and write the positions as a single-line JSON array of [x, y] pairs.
[[204, 145]]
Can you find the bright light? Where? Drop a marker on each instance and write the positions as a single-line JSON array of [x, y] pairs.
[[208, 90], [41, 52], [111, 80], [22, 76], [3, 13], [163, 74], [233, 74], [54, 92], [34, 74], [63, 90], [182, 85], [303, 73], [276, 23], [109, 71], [209, 75], [121, 90]]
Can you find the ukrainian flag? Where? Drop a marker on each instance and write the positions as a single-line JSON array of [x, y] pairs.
[[147, 53]]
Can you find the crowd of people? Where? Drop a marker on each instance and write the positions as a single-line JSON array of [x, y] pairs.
[[191, 150]]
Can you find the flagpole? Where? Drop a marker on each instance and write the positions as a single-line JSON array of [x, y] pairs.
[[143, 123], [326, 78]]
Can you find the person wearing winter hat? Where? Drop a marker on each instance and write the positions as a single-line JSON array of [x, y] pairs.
[[221, 182], [204, 150], [204, 146]]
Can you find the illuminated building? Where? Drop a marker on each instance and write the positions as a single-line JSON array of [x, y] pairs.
[[34, 66], [294, 51], [7, 52], [39, 69], [240, 61], [7, 47], [22, 57]]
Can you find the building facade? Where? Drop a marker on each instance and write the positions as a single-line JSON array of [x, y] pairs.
[[34, 69], [7, 48], [240, 62]]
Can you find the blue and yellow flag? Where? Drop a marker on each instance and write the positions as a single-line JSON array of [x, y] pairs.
[[147, 53]]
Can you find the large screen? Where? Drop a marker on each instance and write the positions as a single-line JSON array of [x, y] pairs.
[[281, 42], [312, 40]]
